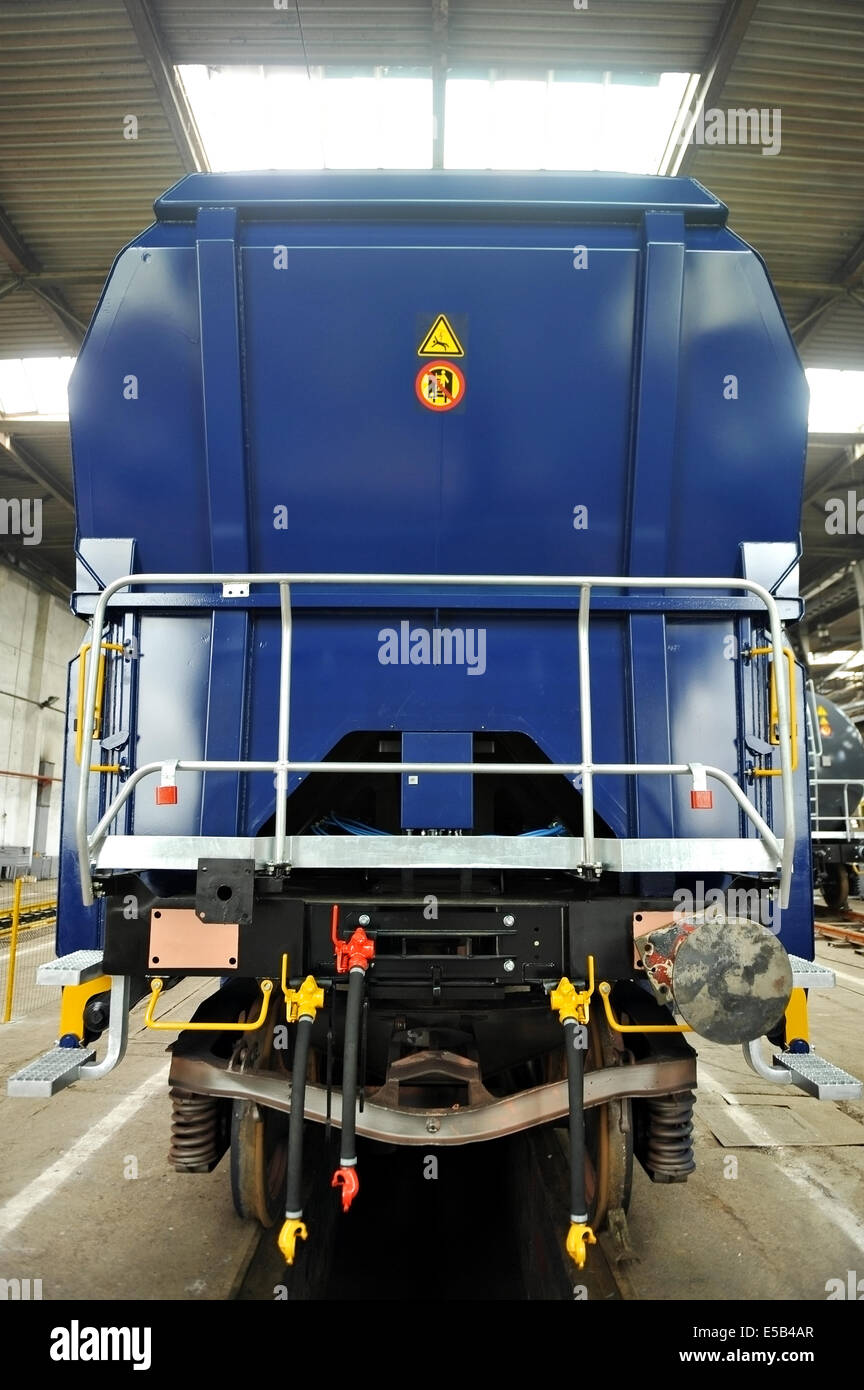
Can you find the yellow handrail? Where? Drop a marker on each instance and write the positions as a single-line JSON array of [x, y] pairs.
[[170, 1026], [774, 715], [96, 723], [13, 951], [606, 989]]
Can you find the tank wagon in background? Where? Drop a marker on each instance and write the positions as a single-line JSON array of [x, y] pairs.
[[836, 790], [438, 533]]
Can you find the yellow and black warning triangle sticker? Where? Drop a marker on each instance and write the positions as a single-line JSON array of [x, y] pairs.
[[441, 341]]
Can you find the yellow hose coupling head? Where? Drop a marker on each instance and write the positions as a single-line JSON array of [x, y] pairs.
[[570, 1002], [578, 1238], [303, 1002], [291, 1232]]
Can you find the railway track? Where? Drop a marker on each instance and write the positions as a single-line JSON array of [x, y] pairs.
[[36, 917], [840, 925], [489, 1225]]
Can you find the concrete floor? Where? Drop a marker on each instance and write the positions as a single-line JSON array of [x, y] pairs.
[[71, 1217], [791, 1219]]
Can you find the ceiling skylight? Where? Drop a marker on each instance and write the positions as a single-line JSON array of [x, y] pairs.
[[34, 386], [836, 401], [605, 122], [281, 118]]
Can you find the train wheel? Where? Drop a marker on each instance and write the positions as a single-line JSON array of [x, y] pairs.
[[259, 1136], [835, 886], [258, 1156]]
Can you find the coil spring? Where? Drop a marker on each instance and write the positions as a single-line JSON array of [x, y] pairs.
[[669, 1137], [195, 1132]]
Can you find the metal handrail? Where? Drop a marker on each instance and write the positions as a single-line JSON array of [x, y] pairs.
[[767, 836], [850, 832], [585, 767]]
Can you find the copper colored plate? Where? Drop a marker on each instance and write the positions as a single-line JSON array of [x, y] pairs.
[[644, 923], [179, 940]]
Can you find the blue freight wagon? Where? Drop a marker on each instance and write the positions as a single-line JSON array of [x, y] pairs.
[[439, 532]]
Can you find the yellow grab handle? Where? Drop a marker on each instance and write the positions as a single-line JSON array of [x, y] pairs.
[[96, 723], [220, 1027], [773, 715], [606, 989]]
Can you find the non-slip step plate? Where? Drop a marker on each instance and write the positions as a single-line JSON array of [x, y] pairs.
[[49, 1073], [808, 974], [819, 1077], [73, 969]]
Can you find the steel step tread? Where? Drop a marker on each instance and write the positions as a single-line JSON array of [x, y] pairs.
[[819, 1077], [74, 969], [809, 974], [48, 1074]]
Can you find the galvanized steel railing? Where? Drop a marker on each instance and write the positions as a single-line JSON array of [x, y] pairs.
[[852, 823], [282, 766]]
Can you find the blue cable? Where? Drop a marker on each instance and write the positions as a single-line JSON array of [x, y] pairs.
[[356, 827]]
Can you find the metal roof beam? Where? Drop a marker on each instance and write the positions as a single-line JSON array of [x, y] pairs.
[[816, 482], [728, 36], [441, 35], [843, 287], [98, 276], [42, 575], [22, 262], [13, 250], [805, 286], [169, 88], [52, 427], [59, 311], [842, 438], [24, 461]]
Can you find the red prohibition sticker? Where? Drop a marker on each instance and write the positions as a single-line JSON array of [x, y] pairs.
[[439, 385]]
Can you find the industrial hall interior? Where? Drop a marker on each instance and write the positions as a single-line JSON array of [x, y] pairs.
[[431, 665]]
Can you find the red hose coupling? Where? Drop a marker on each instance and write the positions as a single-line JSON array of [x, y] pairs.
[[347, 1179], [356, 953], [361, 950]]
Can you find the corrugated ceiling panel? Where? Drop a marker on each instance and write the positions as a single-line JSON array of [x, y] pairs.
[[839, 339], [802, 208], [74, 188], [648, 35], [26, 328]]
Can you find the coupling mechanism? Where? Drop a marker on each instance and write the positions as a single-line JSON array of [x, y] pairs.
[[292, 1231]]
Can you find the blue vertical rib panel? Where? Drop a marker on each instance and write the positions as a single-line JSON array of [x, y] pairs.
[[652, 478], [222, 386]]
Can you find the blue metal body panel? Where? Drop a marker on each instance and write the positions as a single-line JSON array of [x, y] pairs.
[[441, 801], [270, 323]]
